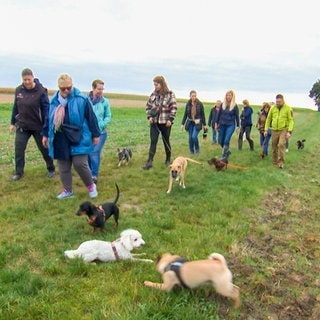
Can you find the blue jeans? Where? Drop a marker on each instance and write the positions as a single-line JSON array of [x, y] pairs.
[[94, 157], [225, 134], [264, 142], [215, 135], [193, 138]]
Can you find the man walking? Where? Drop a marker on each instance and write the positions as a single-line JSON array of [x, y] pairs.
[[280, 119]]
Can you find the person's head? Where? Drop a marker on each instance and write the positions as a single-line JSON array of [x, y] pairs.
[[193, 95], [246, 103], [64, 84], [279, 100], [27, 78], [265, 107], [218, 104], [229, 100], [97, 88], [160, 84]]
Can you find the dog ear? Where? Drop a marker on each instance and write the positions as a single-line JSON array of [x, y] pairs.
[[170, 167]]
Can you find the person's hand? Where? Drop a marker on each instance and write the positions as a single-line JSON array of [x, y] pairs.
[[12, 129], [197, 121], [151, 121], [182, 127], [168, 123], [216, 126], [265, 133], [45, 141], [95, 140], [288, 135]]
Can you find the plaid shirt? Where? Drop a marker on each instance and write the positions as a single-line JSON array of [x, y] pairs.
[[162, 108]]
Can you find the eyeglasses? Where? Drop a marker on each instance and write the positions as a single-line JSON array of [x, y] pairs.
[[65, 88]]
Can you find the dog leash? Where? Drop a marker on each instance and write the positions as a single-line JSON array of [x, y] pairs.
[[236, 167]]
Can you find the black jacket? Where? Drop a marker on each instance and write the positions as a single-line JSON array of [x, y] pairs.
[[30, 107], [199, 112]]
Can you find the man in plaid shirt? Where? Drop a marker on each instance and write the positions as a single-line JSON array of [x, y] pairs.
[[161, 111]]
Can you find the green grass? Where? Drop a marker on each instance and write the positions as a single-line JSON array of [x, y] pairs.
[[265, 221]]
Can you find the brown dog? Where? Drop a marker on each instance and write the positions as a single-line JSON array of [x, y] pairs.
[[178, 170], [191, 274], [219, 165]]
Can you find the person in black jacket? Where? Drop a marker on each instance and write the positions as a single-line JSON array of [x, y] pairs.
[[29, 110], [212, 118], [245, 125], [195, 117]]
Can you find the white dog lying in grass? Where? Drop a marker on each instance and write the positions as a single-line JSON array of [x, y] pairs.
[[105, 251]]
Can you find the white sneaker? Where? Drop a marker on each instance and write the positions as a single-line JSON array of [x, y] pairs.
[[65, 194], [93, 193]]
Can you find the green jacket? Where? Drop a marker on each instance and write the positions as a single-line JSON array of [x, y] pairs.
[[280, 118]]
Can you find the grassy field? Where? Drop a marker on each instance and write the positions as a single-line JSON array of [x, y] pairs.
[[264, 220]]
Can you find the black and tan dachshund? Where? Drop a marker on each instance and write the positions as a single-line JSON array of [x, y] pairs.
[[98, 215]]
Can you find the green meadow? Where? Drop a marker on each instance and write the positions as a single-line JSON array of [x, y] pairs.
[[264, 220]]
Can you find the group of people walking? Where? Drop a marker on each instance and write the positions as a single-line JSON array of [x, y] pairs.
[[72, 127]]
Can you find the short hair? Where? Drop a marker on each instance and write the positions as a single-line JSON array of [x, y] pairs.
[[246, 102], [279, 96], [64, 76], [96, 82], [26, 72]]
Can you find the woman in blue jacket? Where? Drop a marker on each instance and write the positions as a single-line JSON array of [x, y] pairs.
[[246, 125], [227, 120], [101, 109], [69, 106]]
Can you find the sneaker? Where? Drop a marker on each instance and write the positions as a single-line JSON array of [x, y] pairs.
[[65, 194], [148, 165], [93, 193], [17, 177], [50, 174]]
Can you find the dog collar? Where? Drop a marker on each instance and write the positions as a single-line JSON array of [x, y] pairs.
[[114, 249]]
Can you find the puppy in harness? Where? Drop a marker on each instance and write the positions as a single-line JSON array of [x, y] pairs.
[[191, 274]]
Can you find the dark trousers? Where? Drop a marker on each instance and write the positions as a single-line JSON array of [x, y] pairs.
[[21, 141], [155, 130], [245, 130]]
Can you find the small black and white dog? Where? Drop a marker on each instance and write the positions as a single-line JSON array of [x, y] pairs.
[[124, 156], [300, 143]]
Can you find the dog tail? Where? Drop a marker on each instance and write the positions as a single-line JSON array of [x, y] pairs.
[[194, 161], [118, 195], [218, 257], [303, 140]]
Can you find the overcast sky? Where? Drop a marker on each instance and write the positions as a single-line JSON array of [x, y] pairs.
[[257, 48]]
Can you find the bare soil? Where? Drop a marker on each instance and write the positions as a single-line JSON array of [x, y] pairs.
[[8, 98]]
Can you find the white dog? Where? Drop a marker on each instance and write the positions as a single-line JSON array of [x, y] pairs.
[[105, 251]]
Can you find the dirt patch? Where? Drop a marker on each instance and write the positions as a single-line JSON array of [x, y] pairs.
[[278, 265], [116, 103]]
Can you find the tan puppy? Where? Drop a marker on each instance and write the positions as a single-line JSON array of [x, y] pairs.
[[178, 170], [191, 274]]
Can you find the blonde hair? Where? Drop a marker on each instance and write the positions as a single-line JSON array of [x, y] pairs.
[[232, 103], [64, 77], [162, 82]]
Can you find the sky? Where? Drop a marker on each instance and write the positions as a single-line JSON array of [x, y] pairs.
[[256, 48]]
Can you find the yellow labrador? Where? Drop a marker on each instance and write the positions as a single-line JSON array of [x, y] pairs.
[[191, 274], [178, 170]]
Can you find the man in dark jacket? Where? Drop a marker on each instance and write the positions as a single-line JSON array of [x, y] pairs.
[[29, 110]]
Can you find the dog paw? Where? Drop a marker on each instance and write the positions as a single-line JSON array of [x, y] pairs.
[[148, 283]]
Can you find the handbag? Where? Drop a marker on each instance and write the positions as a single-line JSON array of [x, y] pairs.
[[72, 133], [187, 124]]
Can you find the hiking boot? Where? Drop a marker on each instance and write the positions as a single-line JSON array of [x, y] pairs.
[[17, 177], [93, 193], [65, 194], [50, 174], [148, 165], [167, 163]]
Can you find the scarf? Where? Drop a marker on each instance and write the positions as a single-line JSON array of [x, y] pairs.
[[93, 99], [60, 112]]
